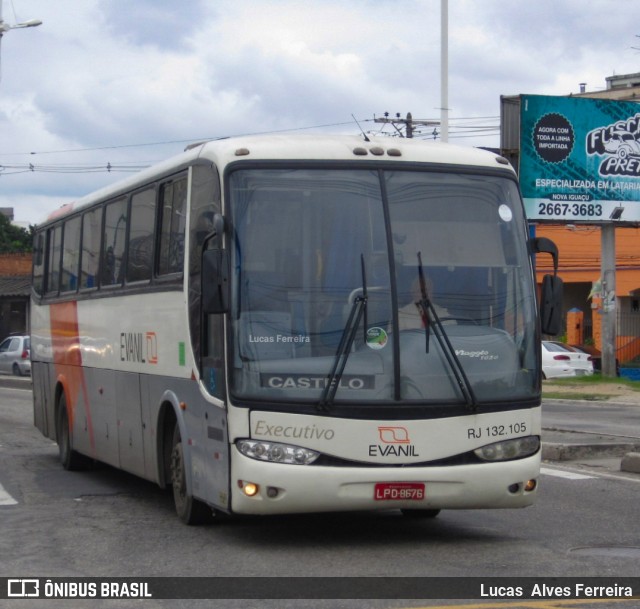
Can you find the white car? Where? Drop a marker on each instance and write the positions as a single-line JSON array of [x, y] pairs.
[[560, 360], [15, 355]]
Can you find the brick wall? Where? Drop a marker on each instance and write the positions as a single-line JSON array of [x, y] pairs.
[[15, 264]]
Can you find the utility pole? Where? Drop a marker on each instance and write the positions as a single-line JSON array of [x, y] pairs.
[[408, 123], [608, 298], [444, 70]]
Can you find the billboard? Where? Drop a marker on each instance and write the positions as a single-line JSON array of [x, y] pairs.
[[580, 159]]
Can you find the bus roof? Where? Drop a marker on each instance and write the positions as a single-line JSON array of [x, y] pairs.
[[297, 147]]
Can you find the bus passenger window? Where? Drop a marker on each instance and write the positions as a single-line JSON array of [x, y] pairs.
[[53, 262], [113, 244], [173, 198], [91, 228], [140, 253], [70, 255], [38, 262]]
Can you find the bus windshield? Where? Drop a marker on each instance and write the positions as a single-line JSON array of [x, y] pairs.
[[308, 243]]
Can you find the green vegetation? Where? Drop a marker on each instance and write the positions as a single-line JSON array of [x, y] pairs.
[[14, 239], [593, 381], [592, 388]]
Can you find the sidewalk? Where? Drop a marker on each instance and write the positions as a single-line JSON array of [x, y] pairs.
[[560, 445], [621, 453]]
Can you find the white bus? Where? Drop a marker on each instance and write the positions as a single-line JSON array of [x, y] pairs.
[[276, 325]]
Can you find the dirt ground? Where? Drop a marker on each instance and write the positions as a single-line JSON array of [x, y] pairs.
[[615, 392]]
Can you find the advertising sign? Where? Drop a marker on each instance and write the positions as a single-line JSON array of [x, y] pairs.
[[580, 159]]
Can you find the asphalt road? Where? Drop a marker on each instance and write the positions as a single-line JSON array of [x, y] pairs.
[[605, 418], [106, 523]]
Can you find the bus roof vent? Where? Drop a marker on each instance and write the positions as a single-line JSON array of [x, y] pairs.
[[360, 151], [242, 152], [502, 160], [394, 152]]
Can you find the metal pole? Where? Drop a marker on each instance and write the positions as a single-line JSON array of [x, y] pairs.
[[609, 317], [444, 70], [409, 125]]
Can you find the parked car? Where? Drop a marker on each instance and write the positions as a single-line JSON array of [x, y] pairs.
[[596, 357], [15, 355], [560, 360]]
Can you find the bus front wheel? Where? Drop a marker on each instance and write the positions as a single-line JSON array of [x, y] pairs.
[[189, 510]]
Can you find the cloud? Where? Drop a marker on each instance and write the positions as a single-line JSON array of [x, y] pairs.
[[159, 23], [110, 75]]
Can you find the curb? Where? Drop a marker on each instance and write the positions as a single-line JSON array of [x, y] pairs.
[[553, 451], [631, 463], [15, 382]]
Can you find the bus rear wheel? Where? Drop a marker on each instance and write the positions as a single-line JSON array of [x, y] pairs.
[[189, 510], [70, 459]]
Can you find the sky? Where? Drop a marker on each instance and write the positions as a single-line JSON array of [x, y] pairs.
[[106, 87]]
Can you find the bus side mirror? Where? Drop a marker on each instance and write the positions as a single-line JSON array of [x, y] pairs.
[[551, 305], [552, 288], [215, 281], [542, 245]]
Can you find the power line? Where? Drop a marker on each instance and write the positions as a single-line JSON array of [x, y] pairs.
[[6, 170], [458, 126], [218, 137], [183, 141]]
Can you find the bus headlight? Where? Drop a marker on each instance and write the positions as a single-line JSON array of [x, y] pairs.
[[506, 450], [277, 453]]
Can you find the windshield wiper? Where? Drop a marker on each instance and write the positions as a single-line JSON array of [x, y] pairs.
[[430, 318], [358, 309]]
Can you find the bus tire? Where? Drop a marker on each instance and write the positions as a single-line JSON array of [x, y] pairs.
[[70, 459], [420, 513], [189, 510]]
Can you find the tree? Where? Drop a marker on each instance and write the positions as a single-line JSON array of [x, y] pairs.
[[14, 239]]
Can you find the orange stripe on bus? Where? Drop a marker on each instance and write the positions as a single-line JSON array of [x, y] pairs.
[[67, 359]]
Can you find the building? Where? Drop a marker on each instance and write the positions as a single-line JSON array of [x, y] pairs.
[[15, 291]]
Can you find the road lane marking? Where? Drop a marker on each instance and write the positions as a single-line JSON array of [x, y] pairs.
[[5, 498], [571, 474], [559, 473]]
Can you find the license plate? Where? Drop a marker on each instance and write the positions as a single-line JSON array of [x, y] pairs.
[[398, 491]]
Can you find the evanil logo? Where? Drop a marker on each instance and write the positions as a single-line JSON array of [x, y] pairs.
[[394, 442]]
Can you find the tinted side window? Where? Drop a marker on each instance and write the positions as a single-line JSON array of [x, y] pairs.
[[91, 231], [70, 255], [55, 245], [140, 255], [38, 262], [113, 243], [173, 198]]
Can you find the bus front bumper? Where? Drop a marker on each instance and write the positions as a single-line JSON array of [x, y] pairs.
[[259, 487]]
